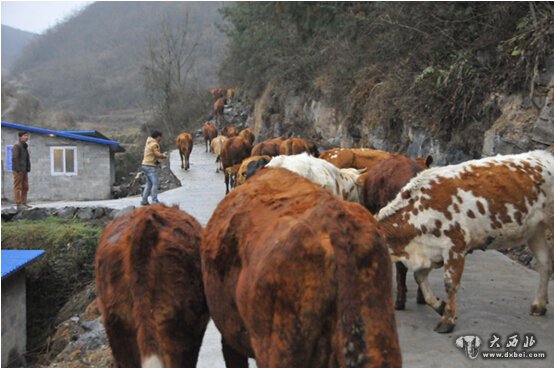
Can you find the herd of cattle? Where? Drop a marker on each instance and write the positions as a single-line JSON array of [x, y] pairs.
[[294, 266]]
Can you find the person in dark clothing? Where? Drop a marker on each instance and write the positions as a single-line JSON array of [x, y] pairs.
[[21, 165]]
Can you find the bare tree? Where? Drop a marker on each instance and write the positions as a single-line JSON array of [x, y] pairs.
[[171, 59]]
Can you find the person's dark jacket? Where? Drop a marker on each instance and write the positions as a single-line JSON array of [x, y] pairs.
[[21, 161]]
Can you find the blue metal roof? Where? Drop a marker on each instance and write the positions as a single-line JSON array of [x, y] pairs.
[[80, 131], [64, 134], [14, 260]]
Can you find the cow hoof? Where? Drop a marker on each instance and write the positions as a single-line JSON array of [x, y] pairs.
[[399, 305], [444, 327], [420, 298], [537, 311]]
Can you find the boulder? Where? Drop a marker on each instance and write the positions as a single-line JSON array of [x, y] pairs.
[[33, 214], [65, 212], [9, 213]]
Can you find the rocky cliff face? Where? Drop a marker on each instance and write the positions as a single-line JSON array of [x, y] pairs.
[[508, 123]]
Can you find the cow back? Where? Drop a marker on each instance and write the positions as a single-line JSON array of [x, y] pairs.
[[273, 253], [184, 142], [246, 166], [217, 144], [383, 182], [219, 106], [149, 286], [357, 158], [248, 135], [268, 147], [209, 131], [293, 146], [493, 202], [230, 131], [234, 150]]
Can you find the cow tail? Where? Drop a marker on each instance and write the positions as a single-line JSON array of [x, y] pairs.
[[365, 314], [143, 241]]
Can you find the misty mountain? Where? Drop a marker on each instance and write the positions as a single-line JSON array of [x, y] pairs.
[[13, 41], [93, 63]]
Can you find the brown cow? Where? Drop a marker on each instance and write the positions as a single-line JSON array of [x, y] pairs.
[[149, 288], [249, 166], [230, 94], [380, 185], [231, 173], [357, 158], [184, 145], [248, 135], [234, 150], [268, 147], [218, 92], [230, 131], [447, 212], [297, 278], [293, 146], [312, 148], [216, 146], [219, 106], [210, 132]]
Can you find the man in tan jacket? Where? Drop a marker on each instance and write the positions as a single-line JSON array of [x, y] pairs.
[[150, 166]]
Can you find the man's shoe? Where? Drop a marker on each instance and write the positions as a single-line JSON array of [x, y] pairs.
[[155, 202], [144, 203], [27, 206]]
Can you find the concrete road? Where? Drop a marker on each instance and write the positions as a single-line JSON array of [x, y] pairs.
[[494, 297]]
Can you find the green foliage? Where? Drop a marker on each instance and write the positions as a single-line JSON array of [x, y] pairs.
[[449, 54], [68, 265]]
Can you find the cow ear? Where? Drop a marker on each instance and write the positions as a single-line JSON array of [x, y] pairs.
[[477, 341], [460, 342], [428, 160]]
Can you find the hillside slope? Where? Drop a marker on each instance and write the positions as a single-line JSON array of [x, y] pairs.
[[93, 62], [456, 80], [13, 42]]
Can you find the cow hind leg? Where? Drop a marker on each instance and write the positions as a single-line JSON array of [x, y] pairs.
[[226, 183], [421, 277], [123, 343], [420, 299], [233, 359], [181, 341], [453, 270], [401, 288], [181, 155], [543, 254]]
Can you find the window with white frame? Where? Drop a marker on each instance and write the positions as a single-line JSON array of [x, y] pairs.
[[63, 160]]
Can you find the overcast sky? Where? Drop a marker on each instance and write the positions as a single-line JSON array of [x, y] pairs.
[[38, 16]]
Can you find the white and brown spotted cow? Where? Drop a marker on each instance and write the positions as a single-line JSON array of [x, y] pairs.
[[446, 212]]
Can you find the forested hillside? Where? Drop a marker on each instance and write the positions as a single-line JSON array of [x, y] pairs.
[[417, 77], [13, 41], [454, 79], [95, 62]]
